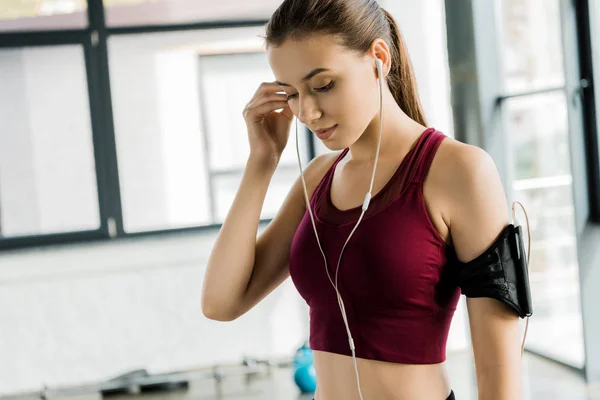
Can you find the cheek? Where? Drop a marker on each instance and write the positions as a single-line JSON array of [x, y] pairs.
[[355, 104], [344, 103]]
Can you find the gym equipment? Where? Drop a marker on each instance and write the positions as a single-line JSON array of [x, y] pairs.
[[303, 356], [305, 378], [304, 374], [140, 381]]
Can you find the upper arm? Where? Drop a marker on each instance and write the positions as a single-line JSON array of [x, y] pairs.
[[479, 212], [271, 262]]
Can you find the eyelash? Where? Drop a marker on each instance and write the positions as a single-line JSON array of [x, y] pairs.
[[321, 89]]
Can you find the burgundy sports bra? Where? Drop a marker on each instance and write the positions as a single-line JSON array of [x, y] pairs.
[[391, 277]]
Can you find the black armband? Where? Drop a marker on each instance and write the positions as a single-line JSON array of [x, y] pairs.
[[501, 273]]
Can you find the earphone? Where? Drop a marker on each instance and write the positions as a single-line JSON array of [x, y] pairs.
[[365, 205]]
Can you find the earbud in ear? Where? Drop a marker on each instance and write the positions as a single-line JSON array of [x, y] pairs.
[[379, 65]]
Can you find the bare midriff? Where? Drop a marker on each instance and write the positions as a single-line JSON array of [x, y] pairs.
[[336, 379]]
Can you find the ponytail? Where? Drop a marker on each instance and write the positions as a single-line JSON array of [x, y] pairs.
[[401, 78]]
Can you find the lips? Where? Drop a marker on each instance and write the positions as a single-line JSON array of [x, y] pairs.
[[325, 133]]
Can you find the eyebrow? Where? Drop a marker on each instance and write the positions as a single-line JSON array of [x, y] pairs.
[[307, 77]]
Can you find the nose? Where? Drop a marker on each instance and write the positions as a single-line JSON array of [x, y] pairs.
[[308, 109]]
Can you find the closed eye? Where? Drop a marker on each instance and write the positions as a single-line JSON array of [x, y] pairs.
[[321, 89]]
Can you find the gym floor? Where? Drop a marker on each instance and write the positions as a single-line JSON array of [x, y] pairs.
[[542, 380]]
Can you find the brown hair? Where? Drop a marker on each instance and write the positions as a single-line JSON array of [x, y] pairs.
[[357, 23]]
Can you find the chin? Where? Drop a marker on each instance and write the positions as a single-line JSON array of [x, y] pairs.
[[334, 147], [334, 143], [341, 143]]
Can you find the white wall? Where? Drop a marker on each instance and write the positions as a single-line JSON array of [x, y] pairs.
[[86, 313]]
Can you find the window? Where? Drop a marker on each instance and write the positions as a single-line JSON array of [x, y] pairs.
[[538, 158], [47, 169], [88, 153], [181, 137], [532, 51]]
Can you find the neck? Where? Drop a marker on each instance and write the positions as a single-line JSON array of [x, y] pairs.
[[399, 133]]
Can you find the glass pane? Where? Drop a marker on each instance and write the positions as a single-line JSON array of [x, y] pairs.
[[166, 12], [226, 188], [537, 135], [47, 170], [531, 46], [595, 38], [25, 15], [179, 124]]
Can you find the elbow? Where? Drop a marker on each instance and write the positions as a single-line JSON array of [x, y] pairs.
[[216, 313]]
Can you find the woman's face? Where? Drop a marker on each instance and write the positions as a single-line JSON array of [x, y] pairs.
[[340, 86]]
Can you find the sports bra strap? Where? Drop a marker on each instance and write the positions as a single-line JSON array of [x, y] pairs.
[[424, 156]]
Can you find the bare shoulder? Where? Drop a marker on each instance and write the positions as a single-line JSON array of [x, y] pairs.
[[456, 164], [473, 201], [451, 158]]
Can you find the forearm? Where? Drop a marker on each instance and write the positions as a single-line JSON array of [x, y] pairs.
[[231, 261]]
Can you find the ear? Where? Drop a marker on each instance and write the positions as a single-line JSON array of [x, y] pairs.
[[379, 49]]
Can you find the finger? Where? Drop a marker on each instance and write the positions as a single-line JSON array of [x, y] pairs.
[[270, 86], [266, 108], [287, 111], [266, 87], [267, 97]]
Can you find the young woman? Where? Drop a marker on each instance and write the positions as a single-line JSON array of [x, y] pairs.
[[433, 199]]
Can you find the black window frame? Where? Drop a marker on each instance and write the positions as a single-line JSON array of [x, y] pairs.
[[588, 103]]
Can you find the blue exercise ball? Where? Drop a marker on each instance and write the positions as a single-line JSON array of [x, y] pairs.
[[303, 356], [306, 378]]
